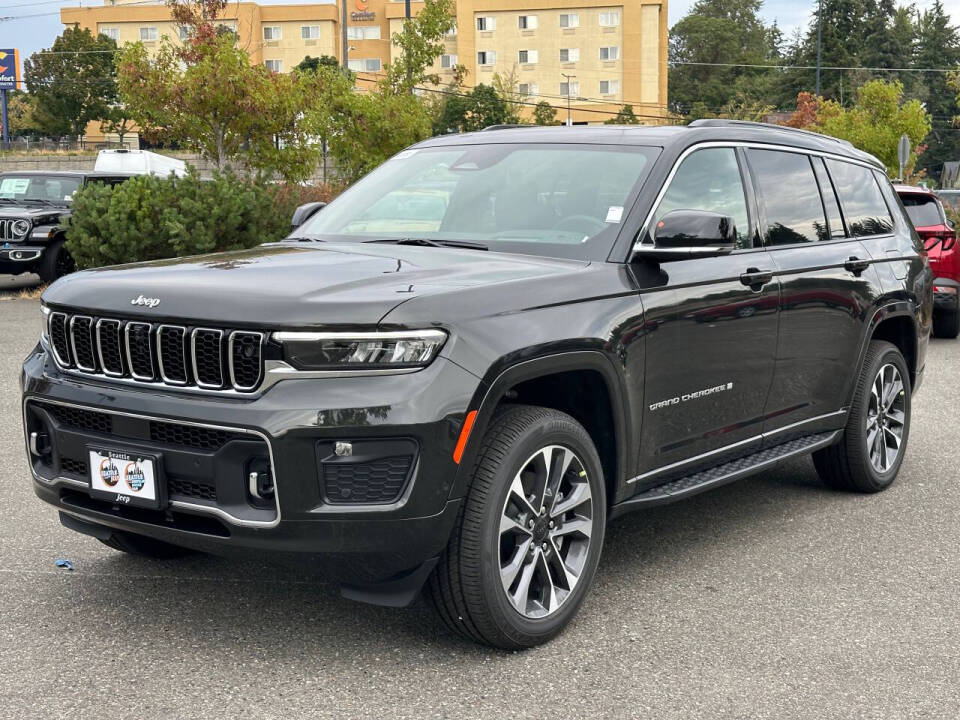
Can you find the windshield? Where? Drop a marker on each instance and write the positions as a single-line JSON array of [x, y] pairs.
[[540, 199], [50, 189], [923, 210]]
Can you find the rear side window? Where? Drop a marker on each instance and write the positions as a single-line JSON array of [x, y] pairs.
[[829, 199], [789, 196], [923, 210], [862, 202], [709, 180]]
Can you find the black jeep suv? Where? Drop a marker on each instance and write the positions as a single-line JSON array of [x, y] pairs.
[[454, 375], [34, 208]]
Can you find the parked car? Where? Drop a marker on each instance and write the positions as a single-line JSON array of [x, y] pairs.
[[939, 238], [34, 208], [603, 320]]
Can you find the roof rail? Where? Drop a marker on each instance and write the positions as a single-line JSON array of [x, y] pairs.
[[508, 126], [720, 122]]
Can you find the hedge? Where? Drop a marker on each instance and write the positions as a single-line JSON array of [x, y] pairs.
[[150, 218]]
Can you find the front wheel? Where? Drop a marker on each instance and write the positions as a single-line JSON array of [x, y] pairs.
[[55, 262], [528, 538], [868, 457]]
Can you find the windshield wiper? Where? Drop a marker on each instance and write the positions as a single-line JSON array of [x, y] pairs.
[[427, 242]]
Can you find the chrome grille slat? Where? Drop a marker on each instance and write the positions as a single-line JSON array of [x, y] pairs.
[[158, 354], [6, 229]]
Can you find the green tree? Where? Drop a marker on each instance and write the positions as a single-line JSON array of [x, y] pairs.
[[117, 120], [938, 45], [73, 82], [713, 34], [20, 110], [420, 43], [624, 116], [313, 64], [876, 121], [206, 95], [479, 108], [506, 84], [544, 113]]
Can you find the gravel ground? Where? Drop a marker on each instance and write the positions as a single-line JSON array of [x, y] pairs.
[[772, 597]]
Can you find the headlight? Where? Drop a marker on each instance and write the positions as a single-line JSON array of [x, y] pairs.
[[372, 350], [44, 321], [21, 228]]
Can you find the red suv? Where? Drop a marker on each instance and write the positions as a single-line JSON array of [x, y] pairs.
[[940, 239]]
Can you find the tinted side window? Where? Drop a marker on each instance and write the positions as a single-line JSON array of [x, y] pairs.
[[790, 197], [862, 202], [829, 199], [923, 210], [710, 180]]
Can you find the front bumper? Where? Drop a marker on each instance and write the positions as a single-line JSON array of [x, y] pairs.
[[16, 259], [290, 427]]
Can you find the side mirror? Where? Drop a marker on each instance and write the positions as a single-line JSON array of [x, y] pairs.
[[690, 234], [304, 213]]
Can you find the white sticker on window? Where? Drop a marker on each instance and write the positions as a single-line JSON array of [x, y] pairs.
[[614, 214], [14, 186], [404, 154]]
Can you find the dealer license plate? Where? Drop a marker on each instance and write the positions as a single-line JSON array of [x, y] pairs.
[[124, 478]]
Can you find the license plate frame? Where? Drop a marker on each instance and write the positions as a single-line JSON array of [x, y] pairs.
[[138, 479]]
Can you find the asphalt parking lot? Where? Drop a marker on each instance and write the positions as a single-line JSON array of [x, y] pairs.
[[773, 597]]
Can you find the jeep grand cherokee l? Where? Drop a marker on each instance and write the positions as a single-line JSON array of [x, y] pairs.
[[567, 325]]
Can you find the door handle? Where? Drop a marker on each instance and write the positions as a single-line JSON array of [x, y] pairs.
[[756, 278], [856, 265]]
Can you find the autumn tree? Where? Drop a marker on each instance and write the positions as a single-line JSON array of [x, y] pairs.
[[72, 83]]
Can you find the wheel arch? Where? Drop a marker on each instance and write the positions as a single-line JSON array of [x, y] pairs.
[[533, 382], [895, 323]]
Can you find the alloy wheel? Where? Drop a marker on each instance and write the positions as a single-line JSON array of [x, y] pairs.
[[886, 418], [545, 530]]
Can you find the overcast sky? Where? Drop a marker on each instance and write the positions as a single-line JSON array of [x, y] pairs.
[[33, 25]]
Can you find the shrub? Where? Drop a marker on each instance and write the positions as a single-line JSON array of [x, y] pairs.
[[149, 217]]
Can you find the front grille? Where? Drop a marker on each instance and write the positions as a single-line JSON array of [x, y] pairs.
[[73, 466], [187, 488], [6, 230], [175, 355], [378, 481], [80, 419], [191, 436]]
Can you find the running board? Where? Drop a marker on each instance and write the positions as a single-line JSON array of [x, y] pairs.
[[727, 472]]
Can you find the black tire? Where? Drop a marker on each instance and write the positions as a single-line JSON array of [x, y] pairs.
[[144, 546], [465, 588], [847, 465], [55, 262], [946, 323]]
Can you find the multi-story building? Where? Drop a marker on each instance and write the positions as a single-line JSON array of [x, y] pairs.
[[591, 55]]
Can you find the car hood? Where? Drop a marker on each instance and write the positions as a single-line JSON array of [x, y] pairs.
[[293, 285], [30, 212]]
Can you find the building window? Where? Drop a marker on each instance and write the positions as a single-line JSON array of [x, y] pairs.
[[609, 87], [272, 32], [448, 61], [112, 33], [486, 57], [184, 33], [364, 65], [309, 32], [274, 65], [527, 89], [148, 34], [527, 22], [527, 57], [570, 88], [452, 32], [569, 55], [569, 20], [363, 32], [611, 18], [610, 53], [486, 23]]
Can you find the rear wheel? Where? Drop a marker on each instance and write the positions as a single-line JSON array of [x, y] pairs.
[[144, 546], [869, 456], [946, 323], [528, 538], [55, 262]]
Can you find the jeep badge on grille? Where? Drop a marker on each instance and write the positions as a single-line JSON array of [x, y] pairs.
[[145, 301]]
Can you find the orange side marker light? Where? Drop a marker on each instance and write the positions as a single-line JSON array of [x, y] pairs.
[[464, 436]]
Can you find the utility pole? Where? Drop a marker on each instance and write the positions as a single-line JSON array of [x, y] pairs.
[[406, 31], [568, 78], [819, 40], [343, 32]]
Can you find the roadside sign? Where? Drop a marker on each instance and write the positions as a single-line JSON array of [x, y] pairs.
[[903, 152], [9, 69]]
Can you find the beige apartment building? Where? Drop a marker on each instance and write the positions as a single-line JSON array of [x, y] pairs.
[[596, 55]]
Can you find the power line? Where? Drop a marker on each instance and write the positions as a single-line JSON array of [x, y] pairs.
[[760, 66]]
